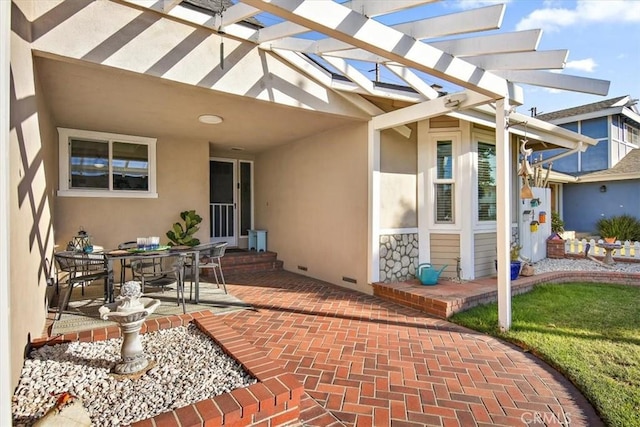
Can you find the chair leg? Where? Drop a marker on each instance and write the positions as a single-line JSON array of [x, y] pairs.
[[62, 305], [215, 274], [180, 289], [224, 284], [191, 274]]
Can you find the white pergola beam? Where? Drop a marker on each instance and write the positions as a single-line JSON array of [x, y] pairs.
[[557, 81], [482, 19], [352, 74], [518, 41], [279, 31], [324, 77], [331, 45], [469, 21], [413, 80], [365, 83], [382, 7], [431, 108], [295, 44], [357, 55], [539, 60], [341, 23], [238, 12], [170, 4]]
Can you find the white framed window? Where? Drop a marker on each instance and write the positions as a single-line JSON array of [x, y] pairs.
[[100, 164], [444, 183], [486, 181]]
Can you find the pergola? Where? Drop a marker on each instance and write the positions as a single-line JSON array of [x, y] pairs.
[[327, 39]]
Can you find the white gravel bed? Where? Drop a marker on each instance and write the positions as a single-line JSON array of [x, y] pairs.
[[190, 367], [567, 264]]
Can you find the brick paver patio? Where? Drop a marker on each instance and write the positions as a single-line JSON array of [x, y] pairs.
[[370, 362]]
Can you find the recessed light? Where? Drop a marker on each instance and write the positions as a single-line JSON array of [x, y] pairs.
[[210, 119]]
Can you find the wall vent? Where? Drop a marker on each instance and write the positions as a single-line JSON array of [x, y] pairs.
[[349, 279], [302, 267]]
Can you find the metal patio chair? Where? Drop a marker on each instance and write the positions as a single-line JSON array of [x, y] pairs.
[[210, 258], [160, 272]]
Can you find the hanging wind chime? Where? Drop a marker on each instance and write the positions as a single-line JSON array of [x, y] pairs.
[[525, 171], [220, 30]]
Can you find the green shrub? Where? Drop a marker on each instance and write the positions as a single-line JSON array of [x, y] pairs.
[[624, 227], [557, 224]]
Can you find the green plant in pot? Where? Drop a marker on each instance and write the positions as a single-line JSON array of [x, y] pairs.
[[557, 224], [516, 264], [182, 235], [621, 227]]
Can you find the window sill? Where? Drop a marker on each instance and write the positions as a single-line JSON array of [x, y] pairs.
[[108, 194]]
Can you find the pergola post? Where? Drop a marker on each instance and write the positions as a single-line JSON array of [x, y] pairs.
[[373, 165], [503, 212]]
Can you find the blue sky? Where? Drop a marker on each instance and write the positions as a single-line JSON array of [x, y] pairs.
[[602, 36]]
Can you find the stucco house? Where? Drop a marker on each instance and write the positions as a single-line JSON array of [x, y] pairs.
[[604, 180], [117, 115]]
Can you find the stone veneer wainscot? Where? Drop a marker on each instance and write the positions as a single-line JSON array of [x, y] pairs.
[[398, 257]]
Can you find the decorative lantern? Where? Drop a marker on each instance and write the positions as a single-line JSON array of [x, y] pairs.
[[542, 217], [82, 241]]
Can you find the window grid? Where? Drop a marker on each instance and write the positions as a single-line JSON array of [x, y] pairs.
[[444, 183]]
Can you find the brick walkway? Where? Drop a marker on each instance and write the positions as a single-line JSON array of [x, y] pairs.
[[370, 362]]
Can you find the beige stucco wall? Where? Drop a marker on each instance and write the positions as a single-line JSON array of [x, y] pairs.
[[398, 168], [182, 183], [311, 197], [30, 203]]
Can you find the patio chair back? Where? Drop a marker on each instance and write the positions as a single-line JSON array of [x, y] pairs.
[[80, 268]]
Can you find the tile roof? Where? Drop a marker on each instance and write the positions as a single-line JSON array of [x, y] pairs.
[[582, 109]]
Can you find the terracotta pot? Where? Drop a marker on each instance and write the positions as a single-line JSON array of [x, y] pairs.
[[610, 239]]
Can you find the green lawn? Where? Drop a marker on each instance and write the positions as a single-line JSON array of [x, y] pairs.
[[589, 332]]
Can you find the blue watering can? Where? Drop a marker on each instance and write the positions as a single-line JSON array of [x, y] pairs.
[[429, 275]]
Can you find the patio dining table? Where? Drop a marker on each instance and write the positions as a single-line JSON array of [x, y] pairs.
[[124, 255]]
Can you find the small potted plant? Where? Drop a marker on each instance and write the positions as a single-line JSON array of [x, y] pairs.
[[608, 228], [182, 235], [516, 263]]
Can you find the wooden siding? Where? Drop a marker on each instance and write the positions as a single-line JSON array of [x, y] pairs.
[[443, 122], [485, 254], [445, 248]]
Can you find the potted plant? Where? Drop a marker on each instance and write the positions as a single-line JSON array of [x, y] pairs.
[[516, 263], [557, 224], [180, 235], [621, 227]]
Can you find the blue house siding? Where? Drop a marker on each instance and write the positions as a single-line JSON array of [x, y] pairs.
[[585, 204]]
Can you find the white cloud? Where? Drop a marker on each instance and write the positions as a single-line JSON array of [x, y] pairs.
[[587, 65], [552, 17], [547, 19]]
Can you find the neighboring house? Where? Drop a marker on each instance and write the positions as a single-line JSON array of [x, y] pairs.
[[123, 115], [604, 180]]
